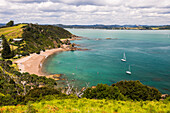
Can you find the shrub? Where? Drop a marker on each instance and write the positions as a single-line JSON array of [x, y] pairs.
[[38, 52], [103, 91], [30, 108], [24, 53], [43, 50], [9, 62], [38, 93], [7, 100], [167, 99], [58, 46], [137, 91]]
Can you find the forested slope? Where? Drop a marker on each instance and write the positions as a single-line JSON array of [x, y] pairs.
[[41, 37]]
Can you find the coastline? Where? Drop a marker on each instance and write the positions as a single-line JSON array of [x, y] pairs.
[[33, 63]]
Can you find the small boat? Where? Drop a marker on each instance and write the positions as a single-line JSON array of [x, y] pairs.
[[124, 58], [98, 39], [128, 72]]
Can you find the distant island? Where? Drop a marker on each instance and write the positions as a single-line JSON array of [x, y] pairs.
[[118, 27]]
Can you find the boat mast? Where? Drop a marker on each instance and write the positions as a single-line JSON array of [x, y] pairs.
[[124, 56]]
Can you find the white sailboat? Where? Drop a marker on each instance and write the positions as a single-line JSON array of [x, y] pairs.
[[128, 72], [124, 58]]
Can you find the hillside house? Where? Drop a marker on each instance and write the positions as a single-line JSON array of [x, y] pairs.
[[0, 42], [17, 39]]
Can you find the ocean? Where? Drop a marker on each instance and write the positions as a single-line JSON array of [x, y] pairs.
[[147, 53]]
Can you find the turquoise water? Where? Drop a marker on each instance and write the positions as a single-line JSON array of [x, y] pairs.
[[148, 53]]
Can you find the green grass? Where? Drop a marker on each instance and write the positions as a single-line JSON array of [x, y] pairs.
[[12, 32], [90, 106]]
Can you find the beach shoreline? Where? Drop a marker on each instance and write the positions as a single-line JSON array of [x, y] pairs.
[[33, 63]]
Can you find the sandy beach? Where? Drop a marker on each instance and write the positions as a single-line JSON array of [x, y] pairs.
[[33, 63]]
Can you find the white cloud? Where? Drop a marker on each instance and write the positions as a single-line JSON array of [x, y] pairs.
[[26, 1], [90, 2], [86, 11]]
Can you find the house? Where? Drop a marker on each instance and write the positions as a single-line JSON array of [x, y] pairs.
[[0, 42], [17, 39], [18, 55]]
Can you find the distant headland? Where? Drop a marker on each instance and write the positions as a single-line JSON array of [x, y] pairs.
[[118, 27]]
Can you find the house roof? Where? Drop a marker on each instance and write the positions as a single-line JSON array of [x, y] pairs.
[[17, 39]]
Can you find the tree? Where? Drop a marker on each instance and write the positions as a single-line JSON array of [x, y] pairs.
[[137, 91], [10, 23], [103, 91], [6, 51]]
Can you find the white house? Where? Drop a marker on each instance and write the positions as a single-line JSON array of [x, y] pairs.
[[0, 42], [17, 39]]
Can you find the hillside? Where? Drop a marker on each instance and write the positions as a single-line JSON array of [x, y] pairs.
[[34, 37], [41, 37], [90, 105], [12, 32]]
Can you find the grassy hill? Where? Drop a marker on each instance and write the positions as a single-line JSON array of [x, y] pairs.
[[12, 32], [35, 37], [41, 37], [91, 106]]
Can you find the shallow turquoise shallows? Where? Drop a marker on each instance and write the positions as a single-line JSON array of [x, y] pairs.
[[147, 52]]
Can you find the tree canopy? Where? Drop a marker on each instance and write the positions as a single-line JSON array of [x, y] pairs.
[[10, 23], [6, 51], [41, 37], [103, 91], [135, 90]]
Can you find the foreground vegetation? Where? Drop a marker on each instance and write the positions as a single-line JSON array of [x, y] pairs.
[[123, 90], [90, 105], [20, 88], [16, 86]]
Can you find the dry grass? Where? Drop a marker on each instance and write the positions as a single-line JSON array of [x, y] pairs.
[[12, 32]]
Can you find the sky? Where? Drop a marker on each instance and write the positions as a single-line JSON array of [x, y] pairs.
[[86, 12]]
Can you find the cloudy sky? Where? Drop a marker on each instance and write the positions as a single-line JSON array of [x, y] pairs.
[[150, 12]]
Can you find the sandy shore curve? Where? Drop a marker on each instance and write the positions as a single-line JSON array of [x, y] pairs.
[[33, 63]]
